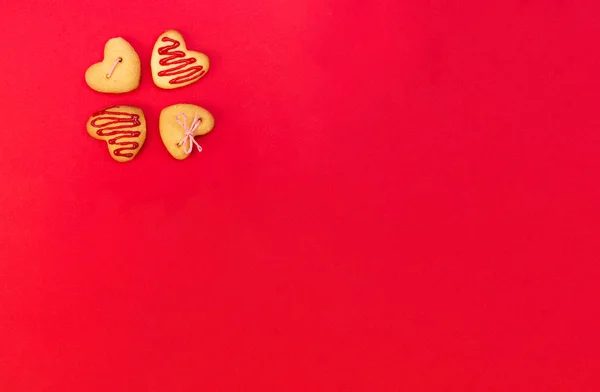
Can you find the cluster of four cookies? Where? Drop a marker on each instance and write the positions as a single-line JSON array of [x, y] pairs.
[[122, 127]]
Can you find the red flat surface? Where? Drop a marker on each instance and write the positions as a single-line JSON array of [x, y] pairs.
[[397, 196]]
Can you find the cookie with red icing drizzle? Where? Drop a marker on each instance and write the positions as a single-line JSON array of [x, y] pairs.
[[173, 65], [123, 128]]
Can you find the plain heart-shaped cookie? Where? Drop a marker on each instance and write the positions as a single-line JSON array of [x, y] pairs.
[[178, 126], [123, 128], [174, 66], [118, 72]]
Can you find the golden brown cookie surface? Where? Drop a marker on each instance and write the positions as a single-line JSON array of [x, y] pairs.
[[173, 65], [180, 124], [123, 128], [118, 72]]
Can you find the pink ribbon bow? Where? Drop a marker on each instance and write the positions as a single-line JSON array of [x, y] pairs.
[[189, 133]]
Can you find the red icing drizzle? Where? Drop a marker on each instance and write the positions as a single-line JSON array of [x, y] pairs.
[[110, 127], [180, 63]]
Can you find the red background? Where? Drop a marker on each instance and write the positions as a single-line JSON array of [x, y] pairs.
[[397, 196]]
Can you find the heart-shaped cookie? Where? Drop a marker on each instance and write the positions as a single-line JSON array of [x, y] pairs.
[[118, 72], [179, 124], [174, 66], [123, 128]]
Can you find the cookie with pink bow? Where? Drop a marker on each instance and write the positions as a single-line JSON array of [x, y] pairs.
[[179, 126]]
